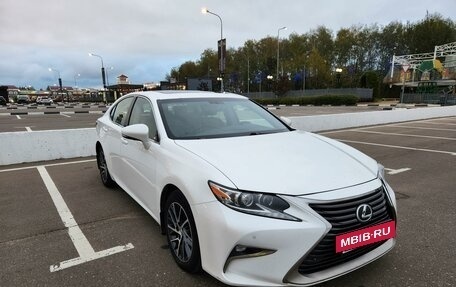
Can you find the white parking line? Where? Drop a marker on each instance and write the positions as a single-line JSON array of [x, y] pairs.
[[82, 245], [28, 129], [397, 171], [399, 125], [439, 123], [399, 147], [418, 128], [65, 115], [18, 117], [46, 165], [403, 135]]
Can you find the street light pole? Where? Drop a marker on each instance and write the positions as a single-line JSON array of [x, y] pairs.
[[107, 74], [278, 51], [75, 82], [222, 59], [269, 77], [103, 75], [338, 74], [248, 76], [60, 79], [304, 80]]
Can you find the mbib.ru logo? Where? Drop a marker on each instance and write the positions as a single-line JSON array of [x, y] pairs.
[[365, 236]]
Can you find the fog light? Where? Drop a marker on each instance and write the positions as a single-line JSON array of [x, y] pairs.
[[240, 248], [242, 251]]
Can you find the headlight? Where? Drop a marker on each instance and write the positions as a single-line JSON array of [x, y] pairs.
[[261, 204], [381, 171]]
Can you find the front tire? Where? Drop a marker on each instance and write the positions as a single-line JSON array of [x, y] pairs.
[[103, 168], [181, 233]]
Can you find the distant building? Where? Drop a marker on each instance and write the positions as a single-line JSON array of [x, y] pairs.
[[200, 84], [122, 80], [122, 87], [151, 86], [168, 85], [56, 89], [9, 92]]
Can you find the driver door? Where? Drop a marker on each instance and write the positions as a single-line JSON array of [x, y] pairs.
[[140, 164]]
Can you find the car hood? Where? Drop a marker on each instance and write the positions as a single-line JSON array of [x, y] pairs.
[[292, 163]]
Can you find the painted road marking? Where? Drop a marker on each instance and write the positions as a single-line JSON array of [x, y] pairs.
[[439, 123], [65, 115], [28, 129], [403, 135], [56, 113], [18, 117], [418, 128], [46, 165], [397, 171], [398, 147], [82, 245]]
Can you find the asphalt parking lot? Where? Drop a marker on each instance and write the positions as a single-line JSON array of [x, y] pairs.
[[36, 118], [114, 242], [33, 122]]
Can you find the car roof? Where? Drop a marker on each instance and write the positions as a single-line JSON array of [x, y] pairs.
[[176, 94]]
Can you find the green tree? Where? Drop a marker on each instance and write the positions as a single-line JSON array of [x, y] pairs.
[[430, 32], [208, 63], [363, 52], [371, 80]]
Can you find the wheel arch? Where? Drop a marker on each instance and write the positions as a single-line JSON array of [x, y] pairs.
[[166, 192], [97, 148]]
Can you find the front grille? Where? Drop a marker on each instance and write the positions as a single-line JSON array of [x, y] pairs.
[[342, 217]]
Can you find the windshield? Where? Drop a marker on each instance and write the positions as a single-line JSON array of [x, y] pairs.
[[216, 117]]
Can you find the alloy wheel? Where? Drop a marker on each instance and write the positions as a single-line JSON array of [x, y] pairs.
[[102, 166], [179, 232]]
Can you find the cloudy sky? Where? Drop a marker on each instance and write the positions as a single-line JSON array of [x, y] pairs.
[[144, 39]]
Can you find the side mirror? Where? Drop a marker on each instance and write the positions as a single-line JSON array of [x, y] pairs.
[[286, 120], [139, 132]]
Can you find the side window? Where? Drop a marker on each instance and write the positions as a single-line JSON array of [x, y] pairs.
[[142, 114], [111, 114], [120, 115]]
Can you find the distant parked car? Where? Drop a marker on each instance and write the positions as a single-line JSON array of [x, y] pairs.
[[2, 101], [22, 99], [44, 100]]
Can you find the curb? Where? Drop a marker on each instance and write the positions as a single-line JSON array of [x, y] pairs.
[[50, 113], [60, 144], [47, 145], [53, 107], [319, 123]]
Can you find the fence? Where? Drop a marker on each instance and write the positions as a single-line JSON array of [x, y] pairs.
[[438, 99], [362, 94]]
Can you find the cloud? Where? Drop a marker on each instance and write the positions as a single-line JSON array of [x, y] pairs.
[[145, 39]]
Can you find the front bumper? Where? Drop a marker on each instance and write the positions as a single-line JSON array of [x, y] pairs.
[[221, 229]]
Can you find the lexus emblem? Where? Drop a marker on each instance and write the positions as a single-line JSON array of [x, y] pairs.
[[364, 212]]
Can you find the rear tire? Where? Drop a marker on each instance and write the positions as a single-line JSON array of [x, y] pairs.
[[103, 168], [181, 233]]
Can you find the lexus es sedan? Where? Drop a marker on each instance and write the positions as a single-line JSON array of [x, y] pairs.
[[241, 194]]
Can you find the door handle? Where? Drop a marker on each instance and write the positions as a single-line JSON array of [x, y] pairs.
[[105, 129], [124, 141]]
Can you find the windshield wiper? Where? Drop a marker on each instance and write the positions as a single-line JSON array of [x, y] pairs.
[[258, 133], [265, 132]]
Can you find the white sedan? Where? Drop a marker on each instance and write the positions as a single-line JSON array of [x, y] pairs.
[[44, 100], [241, 194]]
